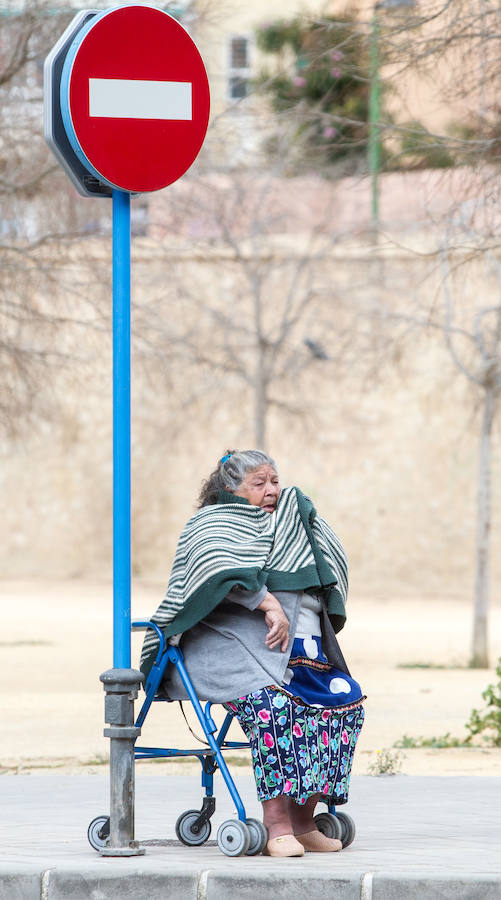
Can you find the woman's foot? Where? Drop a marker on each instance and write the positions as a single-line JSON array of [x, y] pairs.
[[276, 817], [302, 816], [284, 845], [292, 830], [317, 842]]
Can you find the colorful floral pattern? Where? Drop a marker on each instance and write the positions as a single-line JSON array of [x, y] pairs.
[[298, 750]]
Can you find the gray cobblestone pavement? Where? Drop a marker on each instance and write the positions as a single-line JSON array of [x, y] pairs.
[[417, 838]]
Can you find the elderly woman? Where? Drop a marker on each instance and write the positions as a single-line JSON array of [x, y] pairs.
[[256, 595]]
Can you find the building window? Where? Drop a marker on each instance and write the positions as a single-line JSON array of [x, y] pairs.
[[239, 68]]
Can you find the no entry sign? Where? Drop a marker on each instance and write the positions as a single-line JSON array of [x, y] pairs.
[[135, 98], [126, 108]]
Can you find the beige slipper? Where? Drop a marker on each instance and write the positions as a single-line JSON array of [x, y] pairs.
[[318, 842], [285, 845]]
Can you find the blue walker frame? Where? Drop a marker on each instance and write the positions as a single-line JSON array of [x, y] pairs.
[[168, 654], [333, 823]]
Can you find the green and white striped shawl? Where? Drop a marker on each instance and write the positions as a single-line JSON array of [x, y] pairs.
[[233, 543]]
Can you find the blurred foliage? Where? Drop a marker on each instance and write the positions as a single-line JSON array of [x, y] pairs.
[[443, 742], [321, 77], [487, 722], [481, 136], [421, 150]]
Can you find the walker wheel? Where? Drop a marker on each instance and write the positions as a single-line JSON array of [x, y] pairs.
[[348, 830], [98, 832], [233, 837], [329, 825], [184, 827], [258, 837]]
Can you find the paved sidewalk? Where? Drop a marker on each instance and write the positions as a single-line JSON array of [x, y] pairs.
[[417, 838]]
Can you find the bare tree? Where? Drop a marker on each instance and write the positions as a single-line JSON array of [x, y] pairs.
[[271, 307], [473, 339], [457, 45], [40, 215], [465, 310], [451, 50], [246, 322]]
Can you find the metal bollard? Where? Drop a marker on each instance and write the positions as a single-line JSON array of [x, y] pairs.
[[121, 686]]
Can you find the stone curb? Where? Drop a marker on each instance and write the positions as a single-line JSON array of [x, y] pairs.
[[278, 886], [25, 882], [20, 882], [434, 887]]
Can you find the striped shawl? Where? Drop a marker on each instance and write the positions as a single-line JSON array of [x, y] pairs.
[[232, 543]]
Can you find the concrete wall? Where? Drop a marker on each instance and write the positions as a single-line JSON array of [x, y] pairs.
[[384, 442]]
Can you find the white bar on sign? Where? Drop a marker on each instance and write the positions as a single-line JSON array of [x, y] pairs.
[[121, 98]]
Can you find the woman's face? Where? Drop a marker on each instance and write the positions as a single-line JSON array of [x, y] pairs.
[[261, 487]]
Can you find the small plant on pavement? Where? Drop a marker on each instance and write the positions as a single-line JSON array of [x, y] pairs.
[[489, 719], [387, 762]]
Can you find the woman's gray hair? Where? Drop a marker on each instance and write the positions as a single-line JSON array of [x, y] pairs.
[[231, 471]]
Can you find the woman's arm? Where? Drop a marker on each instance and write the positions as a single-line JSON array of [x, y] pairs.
[[277, 622], [274, 617], [249, 599]]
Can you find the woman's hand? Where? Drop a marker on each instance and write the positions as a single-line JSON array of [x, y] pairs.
[[277, 622]]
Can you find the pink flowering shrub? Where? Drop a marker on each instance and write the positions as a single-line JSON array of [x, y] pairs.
[[328, 80]]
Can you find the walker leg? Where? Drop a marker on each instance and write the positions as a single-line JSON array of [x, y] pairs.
[[230, 784], [208, 769]]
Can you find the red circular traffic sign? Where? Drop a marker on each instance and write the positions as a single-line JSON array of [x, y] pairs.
[[135, 98]]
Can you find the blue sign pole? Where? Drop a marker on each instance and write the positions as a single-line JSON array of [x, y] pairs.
[[121, 683], [75, 128], [121, 432]]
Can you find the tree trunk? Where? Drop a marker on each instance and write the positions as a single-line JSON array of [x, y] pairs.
[[260, 404], [480, 655]]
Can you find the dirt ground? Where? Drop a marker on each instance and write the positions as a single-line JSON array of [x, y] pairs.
[[408, 652]]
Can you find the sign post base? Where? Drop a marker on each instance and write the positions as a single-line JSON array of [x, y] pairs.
[[121, 686]]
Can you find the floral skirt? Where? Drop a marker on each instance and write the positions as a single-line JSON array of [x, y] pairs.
[[297, 749]]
